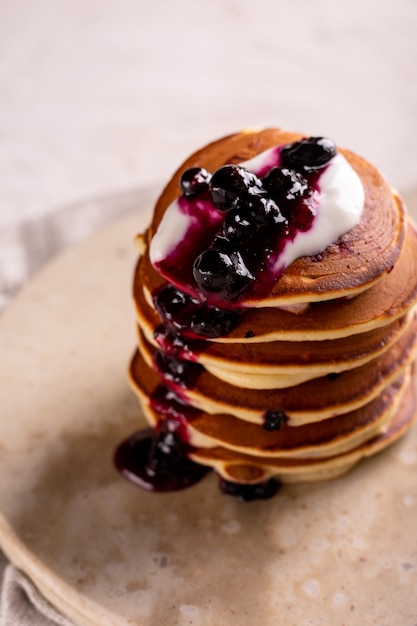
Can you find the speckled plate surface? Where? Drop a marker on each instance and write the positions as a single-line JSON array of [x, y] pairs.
[[105, 552]]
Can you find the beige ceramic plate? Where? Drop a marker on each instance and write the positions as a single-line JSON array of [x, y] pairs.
[[107, 553]]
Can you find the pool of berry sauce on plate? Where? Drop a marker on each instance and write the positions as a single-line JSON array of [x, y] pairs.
[[157, 459], [157, 462], [236, 235], [141, 459]]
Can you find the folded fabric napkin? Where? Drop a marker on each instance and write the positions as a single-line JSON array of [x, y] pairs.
[[22, 604]]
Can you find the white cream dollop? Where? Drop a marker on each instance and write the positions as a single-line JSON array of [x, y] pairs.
[[339, 210], [171, 231], [340, 202]]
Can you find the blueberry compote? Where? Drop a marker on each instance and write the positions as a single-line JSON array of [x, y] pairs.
[[239, 222], [239, 226], [189, 316], [176, 372], [157, 459]]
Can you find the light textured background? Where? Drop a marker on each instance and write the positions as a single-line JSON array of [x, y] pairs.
[[100, 96]]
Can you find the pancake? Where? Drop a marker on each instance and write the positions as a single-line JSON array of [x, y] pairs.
[[314, 439], [275, 304], [357, 260], [328, 437], [375, 308], [276, 355], [294, 362], [313, 401], [241, 468]]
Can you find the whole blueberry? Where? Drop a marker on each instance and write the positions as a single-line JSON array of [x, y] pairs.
[[238, 226], [230, 183], [283, 184], [308, 153], [211, 322], [251, 491], [194, 181], [264, 210], [222, 273], [169, 301], [274, 420]]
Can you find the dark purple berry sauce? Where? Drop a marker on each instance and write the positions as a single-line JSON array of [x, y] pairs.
[[242, 221], [241, 224], [175, 344], [175, 371], [190, 317], [169, 405], [206, 221], [156, 460]]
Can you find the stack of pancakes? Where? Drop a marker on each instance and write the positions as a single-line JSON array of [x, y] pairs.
[[314, 376]]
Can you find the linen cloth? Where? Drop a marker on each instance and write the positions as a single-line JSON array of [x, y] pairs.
[[21, 604]]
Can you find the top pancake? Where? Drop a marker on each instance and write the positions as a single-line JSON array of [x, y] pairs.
[[353, 263], [386, 301]]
